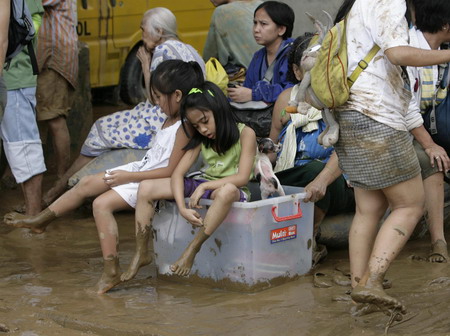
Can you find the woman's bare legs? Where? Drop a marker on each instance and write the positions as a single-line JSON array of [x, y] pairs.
[[406, 200], [89, 186], [104, 207], [60, 185], [434, 207], [371, 205], [149, 192], [223, 199]]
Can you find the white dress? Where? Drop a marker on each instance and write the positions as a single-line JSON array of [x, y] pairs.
[[156, 157]]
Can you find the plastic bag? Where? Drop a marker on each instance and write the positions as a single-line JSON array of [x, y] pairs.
[[216, 73]]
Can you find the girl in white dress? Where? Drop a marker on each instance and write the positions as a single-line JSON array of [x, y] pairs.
[[117, 188]]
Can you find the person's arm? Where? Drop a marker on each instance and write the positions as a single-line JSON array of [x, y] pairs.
[[242, 94], [4, 25], [241, 178], [177, 185], [411, 56], [435, 152], [279, 119], [317, 188], [118, 177], [145, 58]]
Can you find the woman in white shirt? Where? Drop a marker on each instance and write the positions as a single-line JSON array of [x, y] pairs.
[[375, 150]]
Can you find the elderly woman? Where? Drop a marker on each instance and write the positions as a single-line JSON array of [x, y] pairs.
[[135, 128]]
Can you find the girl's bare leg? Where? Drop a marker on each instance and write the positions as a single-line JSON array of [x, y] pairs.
[[223, 199], [89, 186], [434, 207], [406, 201], [149, 192], [104, 207], [371, 205]]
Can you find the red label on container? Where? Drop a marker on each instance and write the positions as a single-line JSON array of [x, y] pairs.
[[282, 234]]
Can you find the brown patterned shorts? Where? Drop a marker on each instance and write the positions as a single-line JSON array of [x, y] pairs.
[[54, 95], [373, 155]]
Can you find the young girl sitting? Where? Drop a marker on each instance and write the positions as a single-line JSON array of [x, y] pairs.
[[227, 150], [117, 188]]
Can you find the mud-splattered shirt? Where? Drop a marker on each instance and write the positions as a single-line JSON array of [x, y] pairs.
[[380, 91]]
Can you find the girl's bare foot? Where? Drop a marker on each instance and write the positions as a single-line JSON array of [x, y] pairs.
[[37, 223], [140, 259], [142, 256], [184, 264], [110, 276]]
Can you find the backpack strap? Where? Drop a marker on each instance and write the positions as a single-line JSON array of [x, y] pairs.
[[33, 58], [269, 72], [442, 73], [362, 65]]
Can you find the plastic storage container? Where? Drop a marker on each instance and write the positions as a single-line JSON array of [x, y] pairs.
[[260, 243]]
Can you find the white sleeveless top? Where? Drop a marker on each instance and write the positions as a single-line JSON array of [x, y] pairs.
[[156, 157]]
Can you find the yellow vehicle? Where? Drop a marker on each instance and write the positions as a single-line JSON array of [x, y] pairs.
[[111, 28]]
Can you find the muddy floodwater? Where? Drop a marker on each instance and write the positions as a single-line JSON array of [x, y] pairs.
[[45, 281]]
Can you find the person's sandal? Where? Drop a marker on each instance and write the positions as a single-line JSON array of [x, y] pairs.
[[439, 252]]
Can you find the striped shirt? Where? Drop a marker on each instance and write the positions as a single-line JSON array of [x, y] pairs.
[[429, 88], [57, 44]]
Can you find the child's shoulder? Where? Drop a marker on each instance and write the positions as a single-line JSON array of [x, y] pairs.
[[246, 131]]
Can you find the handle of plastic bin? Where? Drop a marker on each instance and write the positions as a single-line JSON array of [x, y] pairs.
[[299, 214]]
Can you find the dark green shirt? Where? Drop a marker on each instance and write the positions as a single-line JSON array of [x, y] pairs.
[[20, 72]]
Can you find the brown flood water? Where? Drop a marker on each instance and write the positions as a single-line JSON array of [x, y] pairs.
[[44, 281]]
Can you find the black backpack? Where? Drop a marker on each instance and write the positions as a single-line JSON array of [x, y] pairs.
[[21, 33]]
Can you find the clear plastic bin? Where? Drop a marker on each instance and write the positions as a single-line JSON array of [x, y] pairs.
[[260, 243]]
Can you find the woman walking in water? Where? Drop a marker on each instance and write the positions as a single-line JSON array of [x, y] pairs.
[[375, 149]]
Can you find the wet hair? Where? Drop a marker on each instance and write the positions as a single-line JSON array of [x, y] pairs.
[[343, 10], [209, 97], [172, 75], [160, 21], [280, 13], [431, 15], [295, 55]]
